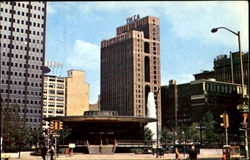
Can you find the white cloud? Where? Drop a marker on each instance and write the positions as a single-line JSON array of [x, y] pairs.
[[188, 20], [196, 19], [85, 56]]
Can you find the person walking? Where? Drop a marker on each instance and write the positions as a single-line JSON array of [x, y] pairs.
[[154, 149], [177, 154], [52, 151], [193, 153], [44, 151]]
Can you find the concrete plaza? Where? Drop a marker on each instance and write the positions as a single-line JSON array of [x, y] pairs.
[[116, 156]]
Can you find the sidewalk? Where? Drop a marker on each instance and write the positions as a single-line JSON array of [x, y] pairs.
[[116, 156]]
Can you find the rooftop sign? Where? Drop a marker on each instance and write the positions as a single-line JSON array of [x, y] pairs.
[[133, 19]]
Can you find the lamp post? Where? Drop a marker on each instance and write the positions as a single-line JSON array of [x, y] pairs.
[[1, 139], [242, 77], [157, 123]]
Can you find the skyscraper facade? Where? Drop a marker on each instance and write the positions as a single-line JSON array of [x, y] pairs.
[[130, 67], [22, 57]]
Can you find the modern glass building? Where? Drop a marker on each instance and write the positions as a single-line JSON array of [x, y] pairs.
[[22, 47]]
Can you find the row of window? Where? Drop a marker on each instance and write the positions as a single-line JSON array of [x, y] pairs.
[[21, 65], [220, 88], [34, 41], [23, 5], [23, 110], [20, 30], [33, 120], [59, 92], [21, 74], [21, 92], [52, 104], [51, 85], [58, 98], [20, 83], [21, 101], [21, 47], [21, 56], [53, 79], [53, 111], [18, 21]]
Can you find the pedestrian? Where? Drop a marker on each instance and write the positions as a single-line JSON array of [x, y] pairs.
[[44, 151], [177, 154], [68, 151], [153, 149], [161, 152], [193, 153], [52, 151]]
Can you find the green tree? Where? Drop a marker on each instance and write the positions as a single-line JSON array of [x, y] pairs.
[[148, 134], [211, 137], [167, 136], [192, 133], [16, 133], [64, 133]]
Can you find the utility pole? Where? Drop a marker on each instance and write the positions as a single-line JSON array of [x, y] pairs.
[[232, 66]]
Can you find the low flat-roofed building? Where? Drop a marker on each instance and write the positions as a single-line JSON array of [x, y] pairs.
[[106, 129]]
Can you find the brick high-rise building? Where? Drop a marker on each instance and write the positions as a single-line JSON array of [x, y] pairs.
[[22, 57], [130, 67]]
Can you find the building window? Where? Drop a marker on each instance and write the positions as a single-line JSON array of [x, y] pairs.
[[146, 47], [147, 69]]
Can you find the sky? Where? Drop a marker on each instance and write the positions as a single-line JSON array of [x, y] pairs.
[[75, 30]]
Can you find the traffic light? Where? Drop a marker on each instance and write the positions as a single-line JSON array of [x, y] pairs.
[[52, 125], [56, 125], [60, 125], [244, 123], [225, 118]]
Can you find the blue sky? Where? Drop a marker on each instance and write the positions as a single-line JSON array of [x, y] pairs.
[[75, 31]]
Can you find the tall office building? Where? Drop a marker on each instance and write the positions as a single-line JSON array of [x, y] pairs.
[[130, 67], [22, 57]]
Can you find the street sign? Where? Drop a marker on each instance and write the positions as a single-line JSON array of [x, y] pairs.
[[56, 135], [243, 108], [72, 145]]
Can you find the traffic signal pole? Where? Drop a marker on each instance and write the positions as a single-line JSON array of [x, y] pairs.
[[225, 124], [226, 136]]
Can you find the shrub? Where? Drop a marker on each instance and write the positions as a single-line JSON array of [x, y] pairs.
[[137, 150]]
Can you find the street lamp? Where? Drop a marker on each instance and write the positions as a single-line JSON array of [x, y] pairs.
[[157, 123], [242, 77], [241, 62]]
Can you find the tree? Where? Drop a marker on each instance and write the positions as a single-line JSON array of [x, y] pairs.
[[167, 136], [192, 133], [16, 133], [64, 133], [148, 134], [211, 137]]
